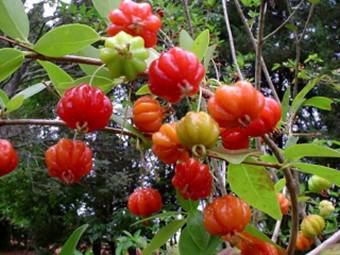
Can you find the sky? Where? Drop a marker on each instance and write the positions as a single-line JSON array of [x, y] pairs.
[[49, 10]]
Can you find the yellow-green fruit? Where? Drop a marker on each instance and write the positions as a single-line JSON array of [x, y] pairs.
[[197, 128], [326, 208], [317, 183], [124, 55], [312, 225]]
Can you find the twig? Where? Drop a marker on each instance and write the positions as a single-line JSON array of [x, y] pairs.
[[187, 16], [310, 13], [290, 184], [22, 45], [259, 44], [333, 239], [231, 39], [253, 41], [43, 122], [285, 22]]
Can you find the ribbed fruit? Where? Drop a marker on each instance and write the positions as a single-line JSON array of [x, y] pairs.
[[312, 225], [145, 201], [8, 157]]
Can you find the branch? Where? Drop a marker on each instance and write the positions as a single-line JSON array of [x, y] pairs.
[[310, 13], [290, 184], [253, 41], [259, 45], [43, 122], [332, 240], [231, 39], [187, 16], [285, 22], [22, 45]]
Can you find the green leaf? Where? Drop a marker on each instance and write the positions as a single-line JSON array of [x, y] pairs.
[[292, 140], [125, 124], [144, 90], [209, 55], [276, 66], [72, 242], [10, 61], [291, 27], [15, 103], [105, 6], [185, 40], [66, 39], [280, 185], [314, 1], [254, 185], [200, 45], [331, 174], [163, 236], [157, 216], [105, 84], [3, 99], [285, 104], [32, 90], [250, 229], [323, 103], [93, 52], [186, 204], [13, 19], [234, 157], [57, 76], [298, 151], [300, 97]]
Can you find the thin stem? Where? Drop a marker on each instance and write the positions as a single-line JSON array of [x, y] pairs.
[[231, 39], [260, 31], [290, 184], [95, 72], [310, 13], [43, 122], [285, 22], [335, 238], [187, 17], [253, 41], [11, 41]]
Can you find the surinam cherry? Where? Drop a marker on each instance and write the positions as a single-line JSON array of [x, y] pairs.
[[235, 139], [283, 202], [85, 108], [175, 74], [147, 114], [8, 157], [303, 242], [69, 160], [145, 201], [312, 225], [135, 19], [192, 179], [317, 184]]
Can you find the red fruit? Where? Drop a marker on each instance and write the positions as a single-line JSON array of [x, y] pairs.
[[145, 201], [267, 120], [85, 107], [193, 179], [69, 160], [235, 139], [8, 157], [284, 203], [175, 74], [166, 145], [147, 114], [226, 215], [303, 242], [135, 19], [237, 105], [250, 245]]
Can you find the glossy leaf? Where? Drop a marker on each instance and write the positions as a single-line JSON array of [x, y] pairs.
[[209, 55], [105, 6], [57, 76], [250, 229], [298, 151], [144, 90], [234, 157], [185, 40], [32, 90], [200, 45], [15, 103], [163, 236], [66, 39], [323, 103], [3, 99], [254, 186], [72, 242], [10, 61], [157, 216], [13, 19], [331, 174], [285, 104], [187, 204], [280, 185]]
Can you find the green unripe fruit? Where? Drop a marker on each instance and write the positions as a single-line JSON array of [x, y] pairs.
[[197, 128], [317, 183], [124, 55], [312, 225], [326, 208]]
